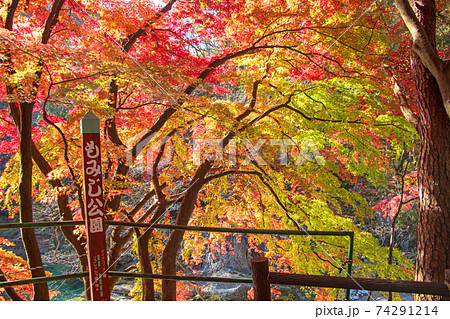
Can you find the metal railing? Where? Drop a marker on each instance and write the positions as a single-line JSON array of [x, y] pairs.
[[5, 284]]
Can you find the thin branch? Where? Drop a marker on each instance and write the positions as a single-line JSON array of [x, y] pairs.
[[370, 38], [57, 31], [338, 40], [189, 89], [120, 107], [66, 144], [226, 173], [76, 79], [277, 32], [122, 102], [410, 200], [312, 119], [163, 142], [132, 38], [326, 260], [147, 213], [6, 121], [61, 133], [260, 176], [160, 195], [278, 200], [397, 212], [141, 203]]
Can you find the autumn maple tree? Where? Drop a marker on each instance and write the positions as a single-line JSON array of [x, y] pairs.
[[214, 113]]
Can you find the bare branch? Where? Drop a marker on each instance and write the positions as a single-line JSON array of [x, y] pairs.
[[132, 38], [155, 179], [261, 177], [277, 32], [149, 211], [141, 203], [326, 260], [406, 109], [64, 139], [226, 173], [77, 79]]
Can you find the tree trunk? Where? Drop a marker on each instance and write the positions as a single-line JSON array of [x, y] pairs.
[[169, 287], [26, 203], [148, 290], [433, 237]]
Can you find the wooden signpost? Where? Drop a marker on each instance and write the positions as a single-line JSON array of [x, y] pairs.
[[94, 208]]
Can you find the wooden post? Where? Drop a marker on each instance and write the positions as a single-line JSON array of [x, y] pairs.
[[94, 208], [447, 278], [260, 277], [447, 282]]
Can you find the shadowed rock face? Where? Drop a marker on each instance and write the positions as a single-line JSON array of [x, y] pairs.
[[236, 265]]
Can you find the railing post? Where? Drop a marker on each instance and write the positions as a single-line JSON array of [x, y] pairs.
[[447, 282], [260, 277], [351, 243], [447, 278]]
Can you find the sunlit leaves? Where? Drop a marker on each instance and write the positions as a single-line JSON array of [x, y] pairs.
[[321, 88]]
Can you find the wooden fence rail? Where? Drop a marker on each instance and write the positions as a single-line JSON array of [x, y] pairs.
[[262, 279]]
